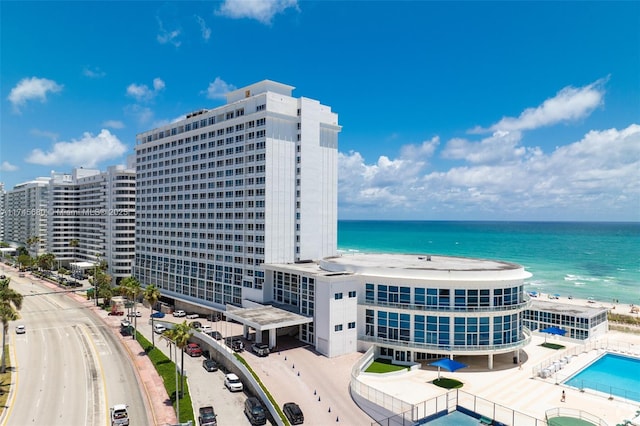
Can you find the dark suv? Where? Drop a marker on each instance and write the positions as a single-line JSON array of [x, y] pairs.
[[254, 411], [207, 416], [293, 413]]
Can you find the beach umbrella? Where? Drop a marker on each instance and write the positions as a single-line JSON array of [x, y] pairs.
[[553, 331], [448, 364]]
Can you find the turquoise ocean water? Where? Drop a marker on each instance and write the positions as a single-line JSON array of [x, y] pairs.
[[599, 260]]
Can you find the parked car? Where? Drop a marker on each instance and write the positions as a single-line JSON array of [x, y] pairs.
[[207, 417], [195, 324], [21, 329], [157, 315], [134, 314], [159, 328], [179, 313], [206, 329], [293, 413], [210, 365], [215, 334], [116, 312], [193, 349], [233, 383], [236, 345], [254, 411], [193, 315], [260, 349]]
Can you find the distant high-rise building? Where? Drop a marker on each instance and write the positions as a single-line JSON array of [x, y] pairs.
[[2, 209], [224, 191], [25, 219], [91, 218]]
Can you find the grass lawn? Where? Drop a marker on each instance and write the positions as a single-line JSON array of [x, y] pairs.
[[383, 366], [447, 383], [552, 346], [5, 382]]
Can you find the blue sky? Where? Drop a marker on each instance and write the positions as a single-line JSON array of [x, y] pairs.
[[454, 111]]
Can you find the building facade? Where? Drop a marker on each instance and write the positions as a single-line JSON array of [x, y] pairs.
[[411, 307], [91, 218], [224, 191], [25, 218]]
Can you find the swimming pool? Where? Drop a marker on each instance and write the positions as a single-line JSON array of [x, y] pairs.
[[455, 418], [613, 374]]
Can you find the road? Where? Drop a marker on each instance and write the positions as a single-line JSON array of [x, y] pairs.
[[69, 366]]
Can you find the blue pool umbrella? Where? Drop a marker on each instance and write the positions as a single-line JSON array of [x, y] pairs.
[[553, 331], [448, 364]]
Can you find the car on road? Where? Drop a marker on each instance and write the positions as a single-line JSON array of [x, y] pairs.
[[159, 328], [21, 275], [21, 329], [293, 413], [195, 324], [254, 411], [210, 365], [215, 334], [193, 315], [260, 349], [193, 349], [179, 313], [206, 416], [134, 314], [157, 315], [119, 415], [233, 383]]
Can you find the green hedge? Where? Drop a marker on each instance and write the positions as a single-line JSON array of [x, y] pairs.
[[167, 370]]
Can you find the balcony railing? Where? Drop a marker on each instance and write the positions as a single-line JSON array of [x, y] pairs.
[[462, 309], [524, 339]]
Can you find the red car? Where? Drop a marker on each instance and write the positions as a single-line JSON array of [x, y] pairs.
[[193, 349]]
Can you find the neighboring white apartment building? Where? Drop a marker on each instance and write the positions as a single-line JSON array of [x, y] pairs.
[[25, 217], [2, 208], [91, 218], [81, 217], [226, 190]]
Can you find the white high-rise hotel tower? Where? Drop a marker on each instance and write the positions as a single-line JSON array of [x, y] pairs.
[[226, 190]]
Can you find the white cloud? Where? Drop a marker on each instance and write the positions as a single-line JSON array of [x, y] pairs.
[[501, 147], [218, 89], [33, 88], [569, 104], [44, 134], [93, 72], [261, 10], [165, 36], [7, 167], [204, 30], [142, 93], [88, 151], [595, 177], [114, 124], [143, 115]]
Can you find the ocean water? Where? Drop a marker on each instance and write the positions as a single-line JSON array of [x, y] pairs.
[[579, 259]]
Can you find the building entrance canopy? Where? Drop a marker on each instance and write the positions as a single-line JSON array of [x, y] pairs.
[[82, 265], [265, 317]]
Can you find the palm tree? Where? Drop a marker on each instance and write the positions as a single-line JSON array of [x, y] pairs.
[[152, 295], [10, 303], [180, 335], [133, 290], [46, 261], [34, 241]]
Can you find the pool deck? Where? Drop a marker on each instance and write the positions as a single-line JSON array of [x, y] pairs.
[[520, 388]]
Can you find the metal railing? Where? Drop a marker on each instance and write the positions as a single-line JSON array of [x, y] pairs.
[[524, 340], [454, 309], [576, 414]]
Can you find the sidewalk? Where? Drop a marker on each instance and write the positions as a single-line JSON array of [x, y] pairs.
[[159, 410]]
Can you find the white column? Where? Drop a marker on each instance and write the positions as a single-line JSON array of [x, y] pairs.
[[272, 337], [490, 362]]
